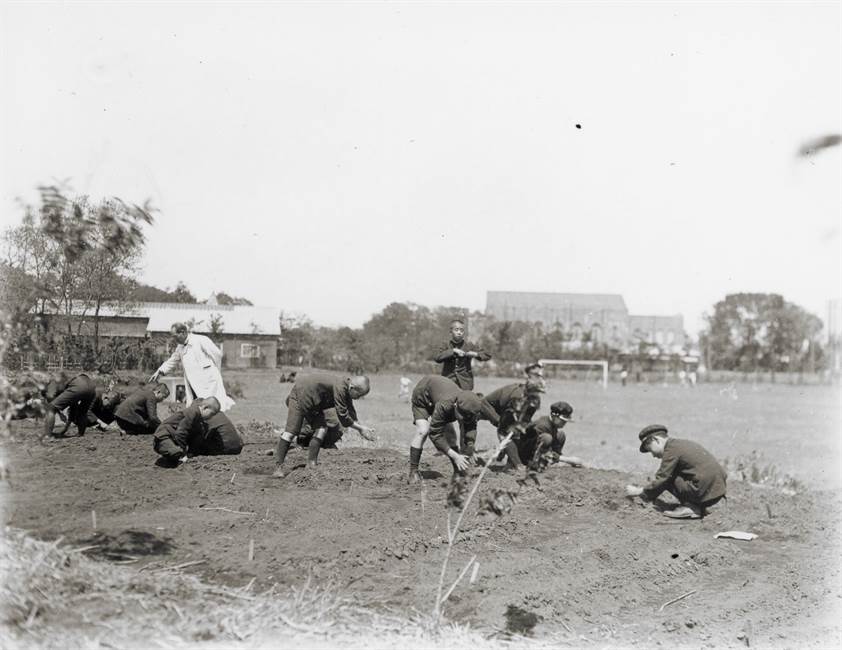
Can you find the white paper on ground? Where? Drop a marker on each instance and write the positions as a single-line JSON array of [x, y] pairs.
[[736, 534]]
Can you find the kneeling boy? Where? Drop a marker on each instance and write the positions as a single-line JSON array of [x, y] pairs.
[[545, 434], [688, 471], [184, 429], [138, 413]]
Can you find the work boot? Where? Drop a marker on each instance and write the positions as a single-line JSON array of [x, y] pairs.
[[279, 472], [684, 512]]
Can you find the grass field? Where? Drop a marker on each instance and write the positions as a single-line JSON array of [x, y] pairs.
[[795, 430]]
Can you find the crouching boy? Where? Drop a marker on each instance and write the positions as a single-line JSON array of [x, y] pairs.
[[308, 400], [138, 413], [688, 471], [76, 394], [546, 435], [180, 431]]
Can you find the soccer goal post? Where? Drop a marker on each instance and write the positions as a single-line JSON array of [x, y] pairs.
[[591, 364]]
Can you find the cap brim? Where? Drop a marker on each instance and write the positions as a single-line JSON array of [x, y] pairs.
[[644, 443]]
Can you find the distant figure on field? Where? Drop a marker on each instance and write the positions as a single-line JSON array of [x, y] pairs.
[[197, 430], [138, 413], [406, 382], [624, 376], [457, 355], [688, 471], [308, 400], [202, 363]]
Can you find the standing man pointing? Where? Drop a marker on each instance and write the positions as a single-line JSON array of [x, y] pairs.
[[202, 361]]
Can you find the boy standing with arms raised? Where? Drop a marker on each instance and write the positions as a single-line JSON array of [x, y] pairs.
[[457, 355]]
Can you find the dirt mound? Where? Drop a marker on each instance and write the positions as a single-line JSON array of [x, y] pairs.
[[573, 558]]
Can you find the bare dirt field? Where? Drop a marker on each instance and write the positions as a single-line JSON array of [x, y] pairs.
[[574, 561]]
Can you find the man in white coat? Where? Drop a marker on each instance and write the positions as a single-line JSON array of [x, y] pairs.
[[201, 361]]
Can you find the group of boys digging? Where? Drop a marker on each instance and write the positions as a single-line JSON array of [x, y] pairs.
[[198, 429], [441, 402], [320, 406]]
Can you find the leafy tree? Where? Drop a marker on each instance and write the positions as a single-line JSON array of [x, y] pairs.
[[66, 258], [181, 293], [759, 331], [223, 298]]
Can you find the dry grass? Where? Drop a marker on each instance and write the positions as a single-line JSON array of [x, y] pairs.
[[55, 597]]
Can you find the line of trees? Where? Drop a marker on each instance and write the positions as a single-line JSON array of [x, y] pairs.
[[406, 336]]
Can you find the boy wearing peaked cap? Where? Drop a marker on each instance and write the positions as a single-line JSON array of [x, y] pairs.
[[545, 434], [688, 471]]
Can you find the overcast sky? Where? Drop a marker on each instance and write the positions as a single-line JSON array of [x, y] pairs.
[[332, 158]]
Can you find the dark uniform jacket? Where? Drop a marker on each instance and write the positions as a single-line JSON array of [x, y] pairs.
[[105, 413], [184, 427], [139, 408], [503, 401], [467, 408], [319, 392], [693, 463], [222, 438], [459, 368], [546, 434], [432, 389]]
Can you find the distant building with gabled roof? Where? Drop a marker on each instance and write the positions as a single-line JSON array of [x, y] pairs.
[[601, 318], [247, 335]]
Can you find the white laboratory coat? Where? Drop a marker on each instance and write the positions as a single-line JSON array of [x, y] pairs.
[[201, 361]]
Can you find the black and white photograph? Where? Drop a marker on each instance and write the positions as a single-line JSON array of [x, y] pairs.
[[477, 325]]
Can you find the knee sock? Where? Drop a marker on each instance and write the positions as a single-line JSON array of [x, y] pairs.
[[281, 453], [313, 449], [414, 458]]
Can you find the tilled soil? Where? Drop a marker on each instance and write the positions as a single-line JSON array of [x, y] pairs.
[[574, 559]]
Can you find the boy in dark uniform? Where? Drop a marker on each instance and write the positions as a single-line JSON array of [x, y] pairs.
[[428, 392], [138, 413], [101, 413], [532, 404], [457, 355], [508, 402], [308, 400], [688, 471], [466, 408], [76, 394], [221, 438], [545, 434], [184, 430]]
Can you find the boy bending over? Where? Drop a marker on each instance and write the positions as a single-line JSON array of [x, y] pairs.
[[688, 471]]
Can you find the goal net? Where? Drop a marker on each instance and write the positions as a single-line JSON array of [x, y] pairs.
[[587, 365]]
